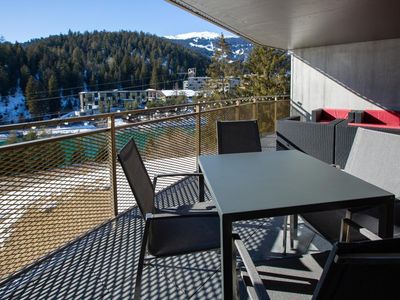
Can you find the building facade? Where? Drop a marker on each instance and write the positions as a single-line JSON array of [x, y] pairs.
[[107, 101]]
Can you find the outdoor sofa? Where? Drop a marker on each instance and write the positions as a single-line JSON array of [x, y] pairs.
[[316, 138]]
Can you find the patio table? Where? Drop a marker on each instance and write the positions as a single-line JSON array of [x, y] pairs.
[[265, 184]]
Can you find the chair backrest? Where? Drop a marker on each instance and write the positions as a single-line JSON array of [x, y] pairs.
[[238, 136], [363, 270], [375, 158], [137, 176]]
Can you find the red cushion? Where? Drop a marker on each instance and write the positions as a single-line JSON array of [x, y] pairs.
[[330, 114], [383, 117], [375, 125]]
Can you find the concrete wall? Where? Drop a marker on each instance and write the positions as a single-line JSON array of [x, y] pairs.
[[355, 76]]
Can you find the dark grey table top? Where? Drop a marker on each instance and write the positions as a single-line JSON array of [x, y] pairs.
[[282, 182]]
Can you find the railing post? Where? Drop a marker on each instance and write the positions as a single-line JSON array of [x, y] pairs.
[[113, 160], [198, 134], [237, 110], [255, 109], [198, 152], [275, 112]]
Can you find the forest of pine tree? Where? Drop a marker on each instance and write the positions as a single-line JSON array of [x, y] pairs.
[[265, 72], [58, 66], [67, 64]]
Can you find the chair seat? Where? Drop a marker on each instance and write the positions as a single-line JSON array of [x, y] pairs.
[[292, 277], [198, 207], [331, 230], [186, 233]]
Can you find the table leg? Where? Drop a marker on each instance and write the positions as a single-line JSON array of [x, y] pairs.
[[386, 220], [201, 186], [228, 262]]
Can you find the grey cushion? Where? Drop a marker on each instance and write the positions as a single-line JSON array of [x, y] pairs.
[[184, 234]]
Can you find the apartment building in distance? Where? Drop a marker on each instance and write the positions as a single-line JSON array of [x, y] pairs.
[[207, 83], [107, 101]]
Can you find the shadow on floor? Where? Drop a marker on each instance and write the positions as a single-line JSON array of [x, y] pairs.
[[102, 265]]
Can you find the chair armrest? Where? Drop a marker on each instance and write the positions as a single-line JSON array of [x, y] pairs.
[[178, 174], [172, 175], [163, 216], [256, 290], [362, 230]]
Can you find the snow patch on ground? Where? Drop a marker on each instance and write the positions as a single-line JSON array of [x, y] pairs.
[[209, 47], [196, 35], [12, 108]]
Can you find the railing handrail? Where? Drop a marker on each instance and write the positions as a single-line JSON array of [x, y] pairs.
[[113, 115], [27, 125]]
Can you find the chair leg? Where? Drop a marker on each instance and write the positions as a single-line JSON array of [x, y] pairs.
[[201, 189], [285, 223], [138, 284], [293, 229], [345, 229]]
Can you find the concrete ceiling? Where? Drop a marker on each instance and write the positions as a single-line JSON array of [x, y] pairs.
[[292, 24]]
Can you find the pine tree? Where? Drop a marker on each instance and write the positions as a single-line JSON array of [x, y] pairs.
[[53, 93], [269, 72], [33, 94], [221, 67], [154, 77]]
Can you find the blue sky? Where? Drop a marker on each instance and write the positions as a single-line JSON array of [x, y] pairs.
[[22, 20]]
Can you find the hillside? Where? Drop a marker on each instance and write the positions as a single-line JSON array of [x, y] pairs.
[[205, 43], [63, 65]]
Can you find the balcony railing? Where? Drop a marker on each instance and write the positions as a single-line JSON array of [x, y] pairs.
[[54, 189]]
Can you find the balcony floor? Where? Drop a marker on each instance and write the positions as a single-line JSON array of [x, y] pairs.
[[102, 264]]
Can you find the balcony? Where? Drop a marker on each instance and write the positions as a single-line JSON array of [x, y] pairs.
[[70, 226]]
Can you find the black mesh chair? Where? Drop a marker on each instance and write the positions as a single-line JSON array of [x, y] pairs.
[[359, 270], [238, 136], [168, 231]]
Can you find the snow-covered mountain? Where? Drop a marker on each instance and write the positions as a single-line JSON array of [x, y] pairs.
[[206, 42]]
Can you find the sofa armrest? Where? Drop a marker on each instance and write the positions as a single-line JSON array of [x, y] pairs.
[[315, 139], [316, 114]]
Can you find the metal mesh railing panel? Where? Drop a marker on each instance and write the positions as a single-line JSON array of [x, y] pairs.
[[283, 109], [53, 190], [166, 147], [208, 133], [50, 193], [266, 121], [246, 111]]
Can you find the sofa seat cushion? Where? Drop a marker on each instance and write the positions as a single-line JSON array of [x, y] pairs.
[[384, 117], [330, 114]]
